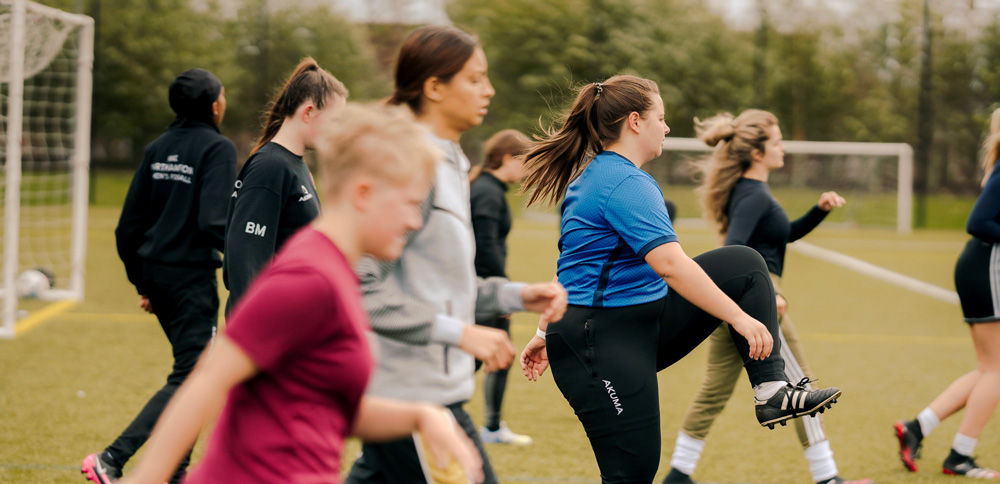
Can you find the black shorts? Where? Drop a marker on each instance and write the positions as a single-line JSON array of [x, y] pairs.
[[977, 280]]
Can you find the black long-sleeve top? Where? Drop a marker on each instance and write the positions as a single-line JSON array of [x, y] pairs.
[[984, 220], [757, 221], [175, 210], [491, 223], [274, 197]]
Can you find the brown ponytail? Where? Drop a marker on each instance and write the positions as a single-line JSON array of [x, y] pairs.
[[309, 82], [431, 51], [594, 122], [734, 140]]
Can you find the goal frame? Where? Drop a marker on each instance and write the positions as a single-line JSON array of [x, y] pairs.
[[902, 151], [79, 161]]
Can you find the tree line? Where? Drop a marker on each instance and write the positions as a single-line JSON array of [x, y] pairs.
[[824, 81]]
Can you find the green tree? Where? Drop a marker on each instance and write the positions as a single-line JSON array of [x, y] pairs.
[[269, 44]]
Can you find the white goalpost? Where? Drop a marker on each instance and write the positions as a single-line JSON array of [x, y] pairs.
[[854, 168], [860, 161], [46, 68]]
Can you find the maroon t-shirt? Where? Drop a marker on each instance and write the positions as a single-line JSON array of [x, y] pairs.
[[303, 325]]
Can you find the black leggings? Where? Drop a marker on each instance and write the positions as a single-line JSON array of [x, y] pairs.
[[605, 360], [495, 382]]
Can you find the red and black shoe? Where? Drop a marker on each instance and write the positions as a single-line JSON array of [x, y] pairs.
[[962, 465], [910, 438]]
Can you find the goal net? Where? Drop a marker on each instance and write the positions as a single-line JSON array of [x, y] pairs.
[[875, 178], [46, 59]]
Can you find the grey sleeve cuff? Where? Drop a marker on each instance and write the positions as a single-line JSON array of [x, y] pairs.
[[447, 330], [510, 297]]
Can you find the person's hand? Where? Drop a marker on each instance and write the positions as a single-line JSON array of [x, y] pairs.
[[145, 304], [782, 305], [446, 441], [547, 298], [534, 358], [829, 200], [490, 345], [756, 334]]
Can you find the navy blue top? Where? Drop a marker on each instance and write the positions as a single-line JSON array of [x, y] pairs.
[[984, 220], [757, 221], [613, 215]]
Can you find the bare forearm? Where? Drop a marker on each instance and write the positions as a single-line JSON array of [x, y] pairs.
[[693, 284], [178, 428], [381, 419]]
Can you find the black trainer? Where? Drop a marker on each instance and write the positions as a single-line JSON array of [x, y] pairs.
[[794, 401], [962, 465], [677, 477], [910, 438]]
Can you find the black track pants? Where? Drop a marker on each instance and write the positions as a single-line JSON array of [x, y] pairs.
[[495, 382], [605, 360], [399, 462], [186, 302]]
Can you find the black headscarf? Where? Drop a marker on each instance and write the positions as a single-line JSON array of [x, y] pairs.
[[192, 94]]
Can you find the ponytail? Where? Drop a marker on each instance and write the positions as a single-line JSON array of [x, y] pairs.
[[309, 82], [593, 123], [734, 140]]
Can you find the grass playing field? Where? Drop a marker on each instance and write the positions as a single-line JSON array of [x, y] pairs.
[[70, 384]]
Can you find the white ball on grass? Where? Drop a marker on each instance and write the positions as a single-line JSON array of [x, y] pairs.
[[31, 283]]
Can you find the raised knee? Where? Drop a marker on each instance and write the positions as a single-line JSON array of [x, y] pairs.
[[747, 255]]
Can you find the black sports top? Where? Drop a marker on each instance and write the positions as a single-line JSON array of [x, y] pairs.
[[757, 221]]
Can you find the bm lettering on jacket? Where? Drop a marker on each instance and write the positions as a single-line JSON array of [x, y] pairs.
[[256, 229]]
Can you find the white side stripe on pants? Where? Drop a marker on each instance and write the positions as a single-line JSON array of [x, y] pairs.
[[794, 373], [995, 277]]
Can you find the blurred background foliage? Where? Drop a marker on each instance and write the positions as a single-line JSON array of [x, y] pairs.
[[826, 79]]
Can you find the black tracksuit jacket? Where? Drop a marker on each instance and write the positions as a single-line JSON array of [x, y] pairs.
[[175, 210]]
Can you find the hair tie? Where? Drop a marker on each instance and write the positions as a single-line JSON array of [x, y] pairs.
[[599, 88]]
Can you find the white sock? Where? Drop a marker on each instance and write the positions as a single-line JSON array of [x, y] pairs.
[[687, 451], [964, 444], [767, 389], [928, 421], [821, 463]]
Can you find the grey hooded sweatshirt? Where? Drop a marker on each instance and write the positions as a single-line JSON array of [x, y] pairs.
[[419, 304]]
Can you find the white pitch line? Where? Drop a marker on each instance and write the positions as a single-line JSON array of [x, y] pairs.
[[876, 272]]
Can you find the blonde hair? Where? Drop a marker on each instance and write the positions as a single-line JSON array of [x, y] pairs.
[[735, 140], [383, 141], [991, 147]]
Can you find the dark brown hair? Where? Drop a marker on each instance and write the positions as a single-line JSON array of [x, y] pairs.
[[309, 82], [735, 139], [506, 142], [594, 122], [431, 51]]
